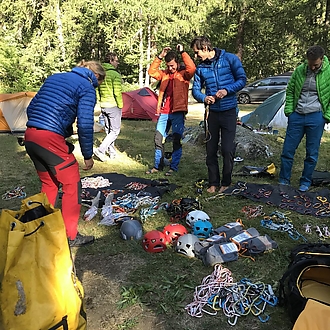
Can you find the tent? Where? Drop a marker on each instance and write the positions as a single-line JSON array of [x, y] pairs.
[[140, 104], [269, 114], [13, 116]]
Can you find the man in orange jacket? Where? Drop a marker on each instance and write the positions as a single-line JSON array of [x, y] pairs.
[[172, 103]]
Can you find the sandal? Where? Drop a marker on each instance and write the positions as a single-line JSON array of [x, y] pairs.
[[152, 171], [169, 172], [159, 182]]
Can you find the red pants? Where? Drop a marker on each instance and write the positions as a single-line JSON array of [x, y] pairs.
[[55, 165]]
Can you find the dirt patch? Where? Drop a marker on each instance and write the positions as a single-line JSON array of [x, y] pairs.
[[102, 278]]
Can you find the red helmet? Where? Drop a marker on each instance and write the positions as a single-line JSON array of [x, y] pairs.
[[173, 231], [154, 241]]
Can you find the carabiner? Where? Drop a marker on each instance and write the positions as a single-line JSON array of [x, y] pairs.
[[234, 321], [265, 319]]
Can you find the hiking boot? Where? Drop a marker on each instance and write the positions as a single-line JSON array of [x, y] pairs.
[[100, 155], [81, 240]]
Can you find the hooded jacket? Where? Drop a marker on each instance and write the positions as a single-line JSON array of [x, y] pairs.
[[180, 82], [110, 91], [61, 99], [296, 83], [223, 71]]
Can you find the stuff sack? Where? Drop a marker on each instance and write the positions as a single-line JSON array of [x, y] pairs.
[[38, 288], [320, 178], [258, 245], [306, 279]]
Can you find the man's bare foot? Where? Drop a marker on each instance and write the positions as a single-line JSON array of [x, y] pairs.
[[212, 189], [152, 171], [223, 188]]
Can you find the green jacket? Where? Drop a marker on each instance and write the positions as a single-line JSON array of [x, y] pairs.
[[296, 83], [110, 91]]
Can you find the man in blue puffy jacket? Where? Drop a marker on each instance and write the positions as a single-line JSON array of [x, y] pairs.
[[221, 74], [63, 98]]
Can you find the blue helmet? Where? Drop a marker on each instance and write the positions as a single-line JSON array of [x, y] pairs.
[[202, 229]]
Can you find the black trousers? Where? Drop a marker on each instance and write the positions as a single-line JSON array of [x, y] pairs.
[[224, 123]]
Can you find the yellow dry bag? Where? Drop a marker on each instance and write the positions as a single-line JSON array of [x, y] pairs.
[[38, 288]]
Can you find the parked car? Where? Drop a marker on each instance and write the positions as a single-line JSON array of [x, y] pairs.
[[260, 90]]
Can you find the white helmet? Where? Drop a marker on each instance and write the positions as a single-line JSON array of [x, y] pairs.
[[185, 245], [194, 216]]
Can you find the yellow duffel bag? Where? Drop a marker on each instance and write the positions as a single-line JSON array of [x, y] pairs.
[[38, 287]]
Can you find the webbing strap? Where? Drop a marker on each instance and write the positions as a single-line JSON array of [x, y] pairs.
[[63, 323]]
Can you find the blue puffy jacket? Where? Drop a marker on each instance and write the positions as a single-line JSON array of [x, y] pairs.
[[223, 71], [61, 99]]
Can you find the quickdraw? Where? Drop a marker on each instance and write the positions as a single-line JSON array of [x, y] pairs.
[[279, 222], [322, 232], [17, 192], [95, 182], [132, 201], [106, 192], [136, 186], [253, 211], [152, 210], [200, 184]]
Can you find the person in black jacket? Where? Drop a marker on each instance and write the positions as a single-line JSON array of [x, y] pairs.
[[222, 75]]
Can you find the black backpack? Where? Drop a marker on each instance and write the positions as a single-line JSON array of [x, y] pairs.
[[309, 266]]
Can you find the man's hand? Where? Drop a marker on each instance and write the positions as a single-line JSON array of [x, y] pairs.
[[164, 52], [209, 99], [179, 48], [88, 164], [221, 93]]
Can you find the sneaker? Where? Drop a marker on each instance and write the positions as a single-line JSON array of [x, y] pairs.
[[81, 240], [303, 188], [101, 156]]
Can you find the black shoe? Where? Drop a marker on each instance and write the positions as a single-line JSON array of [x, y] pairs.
[[81, 240]]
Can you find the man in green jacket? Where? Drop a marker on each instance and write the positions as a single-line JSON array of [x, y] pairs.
[[308, 109], [111, 102]]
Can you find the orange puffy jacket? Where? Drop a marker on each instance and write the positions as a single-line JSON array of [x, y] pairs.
[[180, 84]]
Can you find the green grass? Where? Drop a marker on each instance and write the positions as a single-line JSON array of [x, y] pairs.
[[164, 282], [248, 107]]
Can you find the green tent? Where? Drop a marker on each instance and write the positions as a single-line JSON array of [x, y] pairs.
[[268, 114]]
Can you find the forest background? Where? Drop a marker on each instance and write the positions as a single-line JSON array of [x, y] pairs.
[[40, 37]]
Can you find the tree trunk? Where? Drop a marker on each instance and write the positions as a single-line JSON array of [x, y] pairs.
[[141, 59], [240, 34], [59, 30], [147, 81], [326, 29]]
